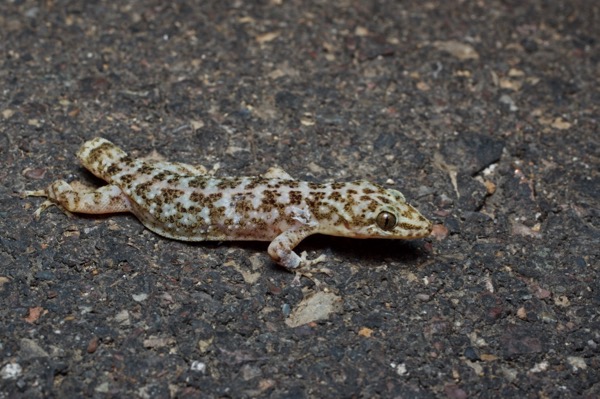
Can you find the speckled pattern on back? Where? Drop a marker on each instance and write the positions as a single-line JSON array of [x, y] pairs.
[[183, 202]]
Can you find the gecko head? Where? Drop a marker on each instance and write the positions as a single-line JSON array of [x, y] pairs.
[[384, 213]]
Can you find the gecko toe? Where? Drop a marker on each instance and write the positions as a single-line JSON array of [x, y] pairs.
[[307, 270]]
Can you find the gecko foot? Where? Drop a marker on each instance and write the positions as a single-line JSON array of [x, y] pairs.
[[308, 263], [307, 270], [50, 201], [38, 193], [33, 193]]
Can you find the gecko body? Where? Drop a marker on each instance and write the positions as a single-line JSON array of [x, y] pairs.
[[183, 202]]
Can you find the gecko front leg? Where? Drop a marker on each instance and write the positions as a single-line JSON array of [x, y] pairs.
[[281, 249]]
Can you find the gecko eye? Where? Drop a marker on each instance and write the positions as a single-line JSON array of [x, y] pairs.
[[386, 220]]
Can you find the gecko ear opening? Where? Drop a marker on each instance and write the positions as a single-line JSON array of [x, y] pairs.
[[386, 220]]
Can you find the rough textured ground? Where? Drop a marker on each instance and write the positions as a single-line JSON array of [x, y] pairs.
[[484, 113]]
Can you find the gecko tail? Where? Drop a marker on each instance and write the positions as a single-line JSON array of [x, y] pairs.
[[101, 157]]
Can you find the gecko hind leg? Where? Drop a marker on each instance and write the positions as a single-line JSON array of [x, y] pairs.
[[276, 172], [180, 168], [106, 199]]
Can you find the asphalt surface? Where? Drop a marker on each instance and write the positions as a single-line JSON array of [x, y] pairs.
[[483, 113]]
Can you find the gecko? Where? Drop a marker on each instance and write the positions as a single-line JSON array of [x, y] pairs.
[[185, 202]]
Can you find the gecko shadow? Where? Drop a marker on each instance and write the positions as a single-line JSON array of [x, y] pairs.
[[367, 252]]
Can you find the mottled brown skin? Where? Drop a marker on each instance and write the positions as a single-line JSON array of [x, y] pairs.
[[183, 202]]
